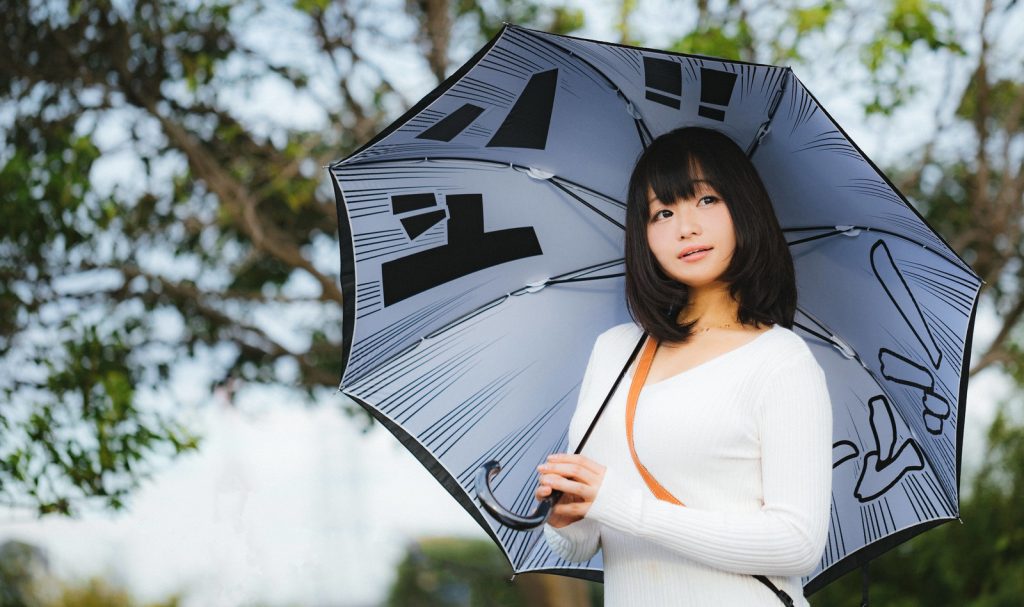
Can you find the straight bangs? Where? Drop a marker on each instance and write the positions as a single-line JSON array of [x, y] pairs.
[[675, 175]]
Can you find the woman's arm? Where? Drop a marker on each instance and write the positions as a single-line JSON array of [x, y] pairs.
[[576, 542], [787, 535]]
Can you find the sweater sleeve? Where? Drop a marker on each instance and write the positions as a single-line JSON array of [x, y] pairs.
[[576, 542], [787, 535]]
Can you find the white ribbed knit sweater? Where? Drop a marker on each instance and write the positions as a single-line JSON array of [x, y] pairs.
[[744, 440]]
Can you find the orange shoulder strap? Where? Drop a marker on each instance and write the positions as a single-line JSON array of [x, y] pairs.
[[639, 377], [643, 367]]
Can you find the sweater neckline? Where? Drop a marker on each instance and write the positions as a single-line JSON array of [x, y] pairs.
[[706, 363]]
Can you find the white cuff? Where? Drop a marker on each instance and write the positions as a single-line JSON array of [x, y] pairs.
[[618, 504]]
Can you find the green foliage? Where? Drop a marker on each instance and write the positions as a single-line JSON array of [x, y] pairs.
[[733, 41], [21, 565], [978, 562], [490, 16], [811, 18], [451, 571], [1003, 100], [97, 592], [84, 302], [909, 25]]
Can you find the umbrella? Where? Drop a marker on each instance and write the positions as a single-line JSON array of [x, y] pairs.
[[481, 250]]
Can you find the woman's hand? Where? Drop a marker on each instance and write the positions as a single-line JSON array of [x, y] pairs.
[[578, 478]]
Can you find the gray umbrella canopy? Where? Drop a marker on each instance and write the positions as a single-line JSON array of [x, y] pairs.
[[481, 239]]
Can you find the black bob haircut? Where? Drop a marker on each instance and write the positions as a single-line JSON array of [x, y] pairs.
[[760, 275]]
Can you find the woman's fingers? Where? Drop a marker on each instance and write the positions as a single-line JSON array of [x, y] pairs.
[[568, 486], [574, 471], [544, 491], [571, 471], [575, 510], [578, 460], [577, 477]]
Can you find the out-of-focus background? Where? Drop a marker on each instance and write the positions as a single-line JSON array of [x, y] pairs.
[[170, 310]]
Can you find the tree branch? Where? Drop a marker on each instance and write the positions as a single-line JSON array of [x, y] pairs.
[[268, 347], [242, 205], [995, 352]]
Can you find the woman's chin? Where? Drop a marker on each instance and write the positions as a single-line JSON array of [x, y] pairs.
[[697, 282]]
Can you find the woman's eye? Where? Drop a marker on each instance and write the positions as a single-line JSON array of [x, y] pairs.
[[662, 214], [706, 200]]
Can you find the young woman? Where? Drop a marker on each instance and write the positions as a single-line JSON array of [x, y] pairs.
[[711, 483]]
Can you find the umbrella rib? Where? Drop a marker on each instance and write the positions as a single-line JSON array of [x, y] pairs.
[[842, 345], [767, 125], [517, 167], [585, 279], [846, 229], [571, 276], [587, 204]]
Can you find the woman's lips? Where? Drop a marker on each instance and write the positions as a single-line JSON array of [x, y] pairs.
[[696, 256]]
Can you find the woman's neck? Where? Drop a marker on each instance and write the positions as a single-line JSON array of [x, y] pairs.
[[711, 305]]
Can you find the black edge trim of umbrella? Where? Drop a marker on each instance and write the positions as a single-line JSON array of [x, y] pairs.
[[590, 575], [854, 560], [430, 97], [348, 277], [965, 369]]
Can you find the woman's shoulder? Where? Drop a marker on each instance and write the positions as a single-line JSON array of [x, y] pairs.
[[783, 348], [787, 339], [608, 345], [619, 336]]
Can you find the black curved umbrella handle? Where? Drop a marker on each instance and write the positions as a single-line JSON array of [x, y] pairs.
[[489, 470], [505, 516]]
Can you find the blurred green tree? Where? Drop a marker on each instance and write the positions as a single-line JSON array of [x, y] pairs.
[[21, 565], [97, 592], [453, 572]]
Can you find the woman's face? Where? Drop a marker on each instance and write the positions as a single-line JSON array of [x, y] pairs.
[[678, 227]]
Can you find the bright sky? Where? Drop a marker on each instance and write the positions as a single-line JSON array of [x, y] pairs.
[[285, 504]]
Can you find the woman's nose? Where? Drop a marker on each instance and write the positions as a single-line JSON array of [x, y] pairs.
[[687, 226]]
